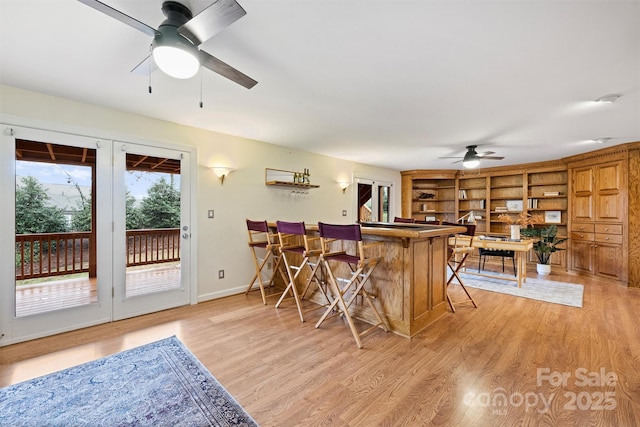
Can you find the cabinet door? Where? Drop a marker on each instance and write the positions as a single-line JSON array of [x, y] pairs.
[[608, 199], [581, 259], [582, 199], [608, 259]]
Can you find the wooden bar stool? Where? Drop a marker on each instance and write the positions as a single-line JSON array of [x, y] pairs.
[[294, 241], [458, 253], [360, 269], [262, 239]]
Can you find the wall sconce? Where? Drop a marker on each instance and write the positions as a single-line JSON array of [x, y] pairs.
[[221, 172], [344, 185]]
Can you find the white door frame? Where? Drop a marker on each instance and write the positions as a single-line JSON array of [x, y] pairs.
[[12, 331], [375, 184], [15, 329], [123, 306]]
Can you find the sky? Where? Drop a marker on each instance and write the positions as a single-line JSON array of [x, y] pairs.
[[137, 182]]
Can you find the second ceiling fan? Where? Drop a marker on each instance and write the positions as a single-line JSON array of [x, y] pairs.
[[472, 158], [175, 42]]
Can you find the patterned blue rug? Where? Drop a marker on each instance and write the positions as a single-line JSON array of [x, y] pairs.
[[534, 288], [158, 384]]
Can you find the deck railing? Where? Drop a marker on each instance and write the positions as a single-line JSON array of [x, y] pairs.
[[153, 246], [52, 254]]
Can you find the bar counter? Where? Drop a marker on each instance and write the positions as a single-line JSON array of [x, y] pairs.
[[410, 280]]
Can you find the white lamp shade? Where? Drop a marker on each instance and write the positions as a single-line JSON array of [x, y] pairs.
[[176, 62]]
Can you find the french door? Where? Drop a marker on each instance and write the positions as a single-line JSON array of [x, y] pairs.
[[55, 268], [372, 200], [91, 230], [152, 231]]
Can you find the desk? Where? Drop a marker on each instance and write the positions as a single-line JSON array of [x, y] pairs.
[[520, 249]]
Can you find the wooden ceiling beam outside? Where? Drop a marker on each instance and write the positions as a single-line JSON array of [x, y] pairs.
[[83, 156], [51, 153]]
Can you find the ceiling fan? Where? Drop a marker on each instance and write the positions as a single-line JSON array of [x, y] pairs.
[[472, 158], [175, 43]]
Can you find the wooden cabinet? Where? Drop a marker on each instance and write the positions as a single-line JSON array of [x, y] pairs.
[[597, 248], [598, 191]]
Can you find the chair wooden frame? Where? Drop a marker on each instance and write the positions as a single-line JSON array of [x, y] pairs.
[[293, 239], [361, 269], [261, 237], [458, 254]]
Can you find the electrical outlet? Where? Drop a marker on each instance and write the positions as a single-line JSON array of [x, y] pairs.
[[344, 212], [210, 213], [220, 274]]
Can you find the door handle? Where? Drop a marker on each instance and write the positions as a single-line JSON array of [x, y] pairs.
[[185, 235]]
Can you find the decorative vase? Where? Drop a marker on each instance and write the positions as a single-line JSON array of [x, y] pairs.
[[543, 269], [515, 232]]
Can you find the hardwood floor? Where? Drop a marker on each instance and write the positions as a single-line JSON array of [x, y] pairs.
[[499, 364]]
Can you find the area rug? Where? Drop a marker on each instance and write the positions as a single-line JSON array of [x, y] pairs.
[[534, 288], [158, 384]]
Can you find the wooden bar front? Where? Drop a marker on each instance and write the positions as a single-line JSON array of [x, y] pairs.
[[410, 280]]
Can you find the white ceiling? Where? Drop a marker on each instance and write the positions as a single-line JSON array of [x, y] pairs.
[[391, 83]]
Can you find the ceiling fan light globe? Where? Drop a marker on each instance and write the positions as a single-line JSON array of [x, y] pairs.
[[471, 163], [176, 61]]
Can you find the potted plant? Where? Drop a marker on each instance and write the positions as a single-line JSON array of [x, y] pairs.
[[546, 242]]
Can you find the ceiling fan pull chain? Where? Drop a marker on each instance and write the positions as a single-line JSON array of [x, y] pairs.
[[201, 87], [150, 59]]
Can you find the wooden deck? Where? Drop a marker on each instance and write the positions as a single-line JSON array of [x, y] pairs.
[[65, 293]]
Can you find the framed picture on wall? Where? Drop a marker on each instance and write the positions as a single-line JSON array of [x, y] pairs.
[[553, 217]]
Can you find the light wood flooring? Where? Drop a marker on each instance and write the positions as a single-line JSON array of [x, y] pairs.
[[475, 367]]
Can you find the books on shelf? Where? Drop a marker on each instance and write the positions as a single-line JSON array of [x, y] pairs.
[[462, 194], [551, 193], [501, 209], [532, 203]]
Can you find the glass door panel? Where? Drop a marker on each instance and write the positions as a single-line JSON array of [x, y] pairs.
[[372, 200], [151, 212]]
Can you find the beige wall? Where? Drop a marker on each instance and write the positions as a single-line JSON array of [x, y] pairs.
[[222, 240]]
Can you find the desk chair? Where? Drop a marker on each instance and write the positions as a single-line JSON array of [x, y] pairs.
[[458, 253], [295, 244], [360, 268], [503, 253], [261, 239]]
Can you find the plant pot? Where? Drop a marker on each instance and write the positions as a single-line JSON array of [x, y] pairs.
[[515, 232], [543, 269]]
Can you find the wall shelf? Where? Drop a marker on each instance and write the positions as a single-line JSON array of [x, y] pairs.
[[285, 178]]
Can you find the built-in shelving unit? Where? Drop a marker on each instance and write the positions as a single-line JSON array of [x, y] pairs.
[[536, 189], [472, 199], [432, 196]]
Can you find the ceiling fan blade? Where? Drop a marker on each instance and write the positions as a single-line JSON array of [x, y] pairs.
[[491, 158], [116, 14], [226, 70], [451, 157], [486, 153], [212, 20], [142, 69], [457, 161]]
